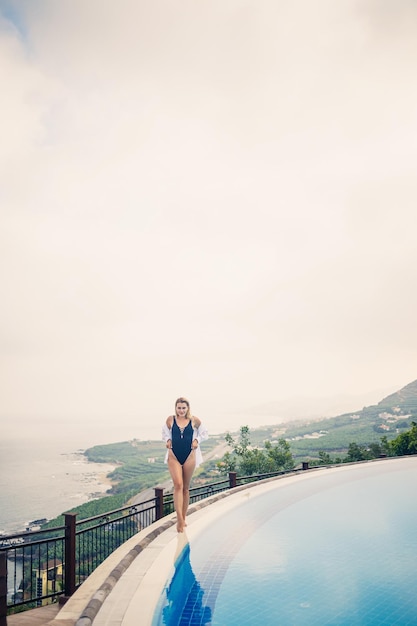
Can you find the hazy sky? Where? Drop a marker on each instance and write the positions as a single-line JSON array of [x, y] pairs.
[[210, 198]]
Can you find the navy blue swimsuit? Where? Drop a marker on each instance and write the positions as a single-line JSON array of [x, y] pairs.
[[181, 441]]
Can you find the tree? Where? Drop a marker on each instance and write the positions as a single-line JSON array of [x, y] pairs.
[[385, 446], [324, 458], [246, 460], [279, 455], [376, 450], [405, 443], [357, 453], [239, 447]]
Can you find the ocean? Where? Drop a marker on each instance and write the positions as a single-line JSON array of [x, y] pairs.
[[44, 477], [42, 482]]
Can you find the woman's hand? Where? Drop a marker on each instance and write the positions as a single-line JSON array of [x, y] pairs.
[[194, 444], [169, 444]]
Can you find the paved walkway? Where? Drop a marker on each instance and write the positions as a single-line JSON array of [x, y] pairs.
[[34, 617]]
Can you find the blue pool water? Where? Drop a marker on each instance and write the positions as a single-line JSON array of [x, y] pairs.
[[339, 548]]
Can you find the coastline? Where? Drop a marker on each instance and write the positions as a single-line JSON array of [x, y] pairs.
[[104, 477], [37, 483], [103, 481]]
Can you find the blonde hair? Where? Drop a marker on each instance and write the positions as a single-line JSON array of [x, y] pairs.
[[185, 401]]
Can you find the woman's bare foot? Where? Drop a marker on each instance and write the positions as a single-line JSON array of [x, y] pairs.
[[180, 525]]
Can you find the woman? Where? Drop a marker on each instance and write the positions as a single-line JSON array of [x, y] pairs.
[[182, 434]]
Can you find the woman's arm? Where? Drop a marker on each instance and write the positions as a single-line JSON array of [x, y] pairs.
[[200, 431], [167, 432]]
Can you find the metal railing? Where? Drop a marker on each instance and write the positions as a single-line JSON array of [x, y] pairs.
[[42, 566]]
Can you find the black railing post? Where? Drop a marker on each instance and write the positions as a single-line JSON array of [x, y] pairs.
[[3, 588], [159, 502], [305, 465], [70, 543], [232, 479]]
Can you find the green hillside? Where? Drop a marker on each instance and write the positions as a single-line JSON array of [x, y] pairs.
[[140, 464], [388, 418], [406, 399]]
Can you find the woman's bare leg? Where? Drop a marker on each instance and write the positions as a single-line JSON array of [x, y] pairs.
[[176, 472], [187, 473]]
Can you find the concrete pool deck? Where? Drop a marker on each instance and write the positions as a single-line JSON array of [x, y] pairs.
[[125, 589]]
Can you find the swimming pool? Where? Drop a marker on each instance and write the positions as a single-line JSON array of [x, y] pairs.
[[336, 546]]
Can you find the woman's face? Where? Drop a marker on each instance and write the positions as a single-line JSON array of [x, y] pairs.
[[182, 409]]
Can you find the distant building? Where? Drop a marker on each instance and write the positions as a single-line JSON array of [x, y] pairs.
[[49, 579]]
